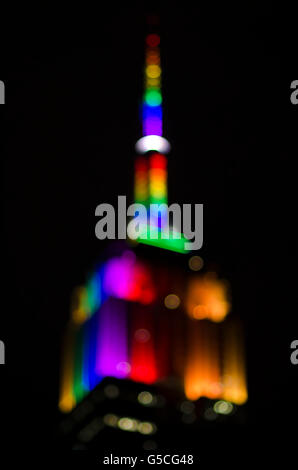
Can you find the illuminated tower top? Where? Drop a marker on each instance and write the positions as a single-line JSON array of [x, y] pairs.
[[152, 101], [151, 163]]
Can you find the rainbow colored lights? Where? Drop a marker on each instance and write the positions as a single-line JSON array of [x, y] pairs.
[[158, 179], [127, 279], [152, 126], [151, 169], [129, 334], [152, 110], [120, 277], [132, 320], [97, 342]]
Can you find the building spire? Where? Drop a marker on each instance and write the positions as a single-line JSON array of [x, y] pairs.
[[152, 116]]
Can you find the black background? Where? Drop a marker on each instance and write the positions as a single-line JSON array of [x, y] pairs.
[[70, 124]]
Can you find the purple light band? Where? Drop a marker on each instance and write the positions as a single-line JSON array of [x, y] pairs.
[[112, 353]]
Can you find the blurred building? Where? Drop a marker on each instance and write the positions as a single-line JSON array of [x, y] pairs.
[[151, 343]]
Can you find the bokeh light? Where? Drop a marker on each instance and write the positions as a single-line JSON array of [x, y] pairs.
[[195, 263], [145, 398], [152, 40], [223, 407], [172, 301], [153, 71], [153, 98]]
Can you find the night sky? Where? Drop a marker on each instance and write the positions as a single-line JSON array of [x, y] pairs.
[[71, 122]]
